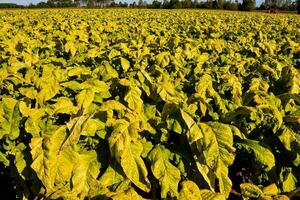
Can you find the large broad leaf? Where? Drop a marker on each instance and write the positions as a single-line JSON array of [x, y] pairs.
[[75, 128], [163, 59], [167, 174], [294, 81], [291, 142], [128, 152], [97, 86], [205, 91], [64, 106], [21, 154], [288, 179], [125, 64], [10, 118], [209, 195], [84, 100], [250, 190], [214, 153], [133, 98], [78, 70], [34, 124], [48, 87], [234, 86], [261, 154], [3, 159], [112, 105], [270, 190], [111, 182], [194, 133], [189, 190], [56, 164], [44, 152], [85, 166], [126, 195], [107, 71], [29, 92], [78, 170], [166, 91]]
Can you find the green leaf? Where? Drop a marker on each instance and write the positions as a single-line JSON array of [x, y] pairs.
[[20, 159], [270, 190], [163, 59], [128, 154], [250, 190], [113, 53], [65, 106], [84, 99], [92, 126], [125, 64], [10, 118], [291, 142], [31, 93], [107, 180], [200, 61], [3, 159], [78, 70], [44, 152], [75, 128], [209, 195], [48, 87], [205, 91], [167, 92], [294, 81], [112, 105], [71, 47], [215, 152], [288, 180], [34, 124], [262, 155], [133, 98], [194, 132], [107, 71], [97, 86], [134, 166], [127, 195], [189, 190], [85, 165], [163, 170]]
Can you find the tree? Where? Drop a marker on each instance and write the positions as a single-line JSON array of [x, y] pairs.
[[187, 3], [83, 2], [228, 5], [298, 6], [248, 5], [77, 2], [91, 3], [220, 4], [175, 4], [60, 3], [141, 3], [156, 4]]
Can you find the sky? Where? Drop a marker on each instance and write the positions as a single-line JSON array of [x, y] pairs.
[[27, 2], [20, 2]]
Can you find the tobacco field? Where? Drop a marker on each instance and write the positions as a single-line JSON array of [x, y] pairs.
[[150, 104]]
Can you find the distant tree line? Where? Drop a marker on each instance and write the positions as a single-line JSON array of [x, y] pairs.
[[10, 5], [156, 4], [72, 3], [246, 5], [280, 4]]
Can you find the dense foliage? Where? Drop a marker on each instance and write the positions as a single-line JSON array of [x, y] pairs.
[[132, 104]]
